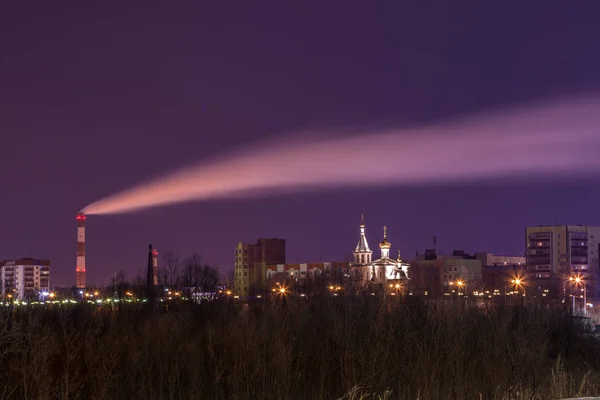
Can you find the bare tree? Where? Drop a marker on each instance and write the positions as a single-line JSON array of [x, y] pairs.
[[190, 264], [198, 276], [168, 270], [139, 284], [119, 282]]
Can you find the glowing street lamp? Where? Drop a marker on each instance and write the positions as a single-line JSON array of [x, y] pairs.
[[577, 280], [518, 282], [460, 283]]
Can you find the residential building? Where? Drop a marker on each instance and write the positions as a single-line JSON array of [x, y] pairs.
[[489, 259], [306, 270], [251, 260], [458, 269], [500, 279], [557, 252], [307, 277], [500, 271], [24, 278]]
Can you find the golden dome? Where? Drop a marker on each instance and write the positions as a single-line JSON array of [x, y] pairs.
[[384, 243]]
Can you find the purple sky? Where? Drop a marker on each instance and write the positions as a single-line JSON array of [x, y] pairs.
[[95, 99]]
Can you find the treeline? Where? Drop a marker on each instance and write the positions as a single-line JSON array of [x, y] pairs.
[[174, 273], [328, 348]]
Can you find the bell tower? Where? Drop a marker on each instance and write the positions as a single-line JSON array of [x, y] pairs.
[[362, 252]]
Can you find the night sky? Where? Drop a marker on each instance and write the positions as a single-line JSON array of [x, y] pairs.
[[98, 96]]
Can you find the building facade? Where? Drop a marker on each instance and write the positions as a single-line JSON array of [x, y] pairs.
[[251, 260], [307, 270], [494, 260], [557, 252], [25, 278], [307, 278]]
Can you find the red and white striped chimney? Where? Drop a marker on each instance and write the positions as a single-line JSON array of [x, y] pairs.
[[80, 268], [155, 266]]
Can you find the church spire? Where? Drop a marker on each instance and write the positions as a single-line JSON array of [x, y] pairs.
[[362, 252]]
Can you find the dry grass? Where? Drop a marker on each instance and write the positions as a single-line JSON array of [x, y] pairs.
[[342, 348]]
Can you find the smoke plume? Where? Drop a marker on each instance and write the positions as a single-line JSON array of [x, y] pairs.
[[560, 137]]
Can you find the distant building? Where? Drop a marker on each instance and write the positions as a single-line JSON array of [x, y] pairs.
[[554, 253], [498, 279], [306, 270], [436, 274], [491, 260], [500, 271], [251, 260], [456, 272], [24, 278]]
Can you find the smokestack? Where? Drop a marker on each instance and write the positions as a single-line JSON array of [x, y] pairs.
[[150, 275], [80, 266], [155, 266]]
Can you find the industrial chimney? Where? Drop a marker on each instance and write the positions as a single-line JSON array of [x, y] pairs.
[[80, 267], [150, 275], [155, 266]]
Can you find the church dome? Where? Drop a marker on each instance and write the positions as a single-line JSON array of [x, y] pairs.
[[385, 244]]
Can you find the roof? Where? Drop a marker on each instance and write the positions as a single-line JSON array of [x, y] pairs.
[[362, 246], [385, 261]]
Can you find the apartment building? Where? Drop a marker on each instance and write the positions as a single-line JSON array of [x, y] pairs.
[[556, 252], [251, 260], [24, 278], [307, 270]]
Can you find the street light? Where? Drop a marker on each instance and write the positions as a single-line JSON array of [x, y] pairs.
[[460, 284], [578, 280], [518, 282]]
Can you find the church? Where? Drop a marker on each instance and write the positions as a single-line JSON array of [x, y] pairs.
[[381, 274]]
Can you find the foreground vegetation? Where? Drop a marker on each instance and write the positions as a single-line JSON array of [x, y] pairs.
[[327, 349]]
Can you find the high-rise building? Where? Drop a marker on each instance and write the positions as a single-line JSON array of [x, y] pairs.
[[251, 260], [25, 278], [557, 252]]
